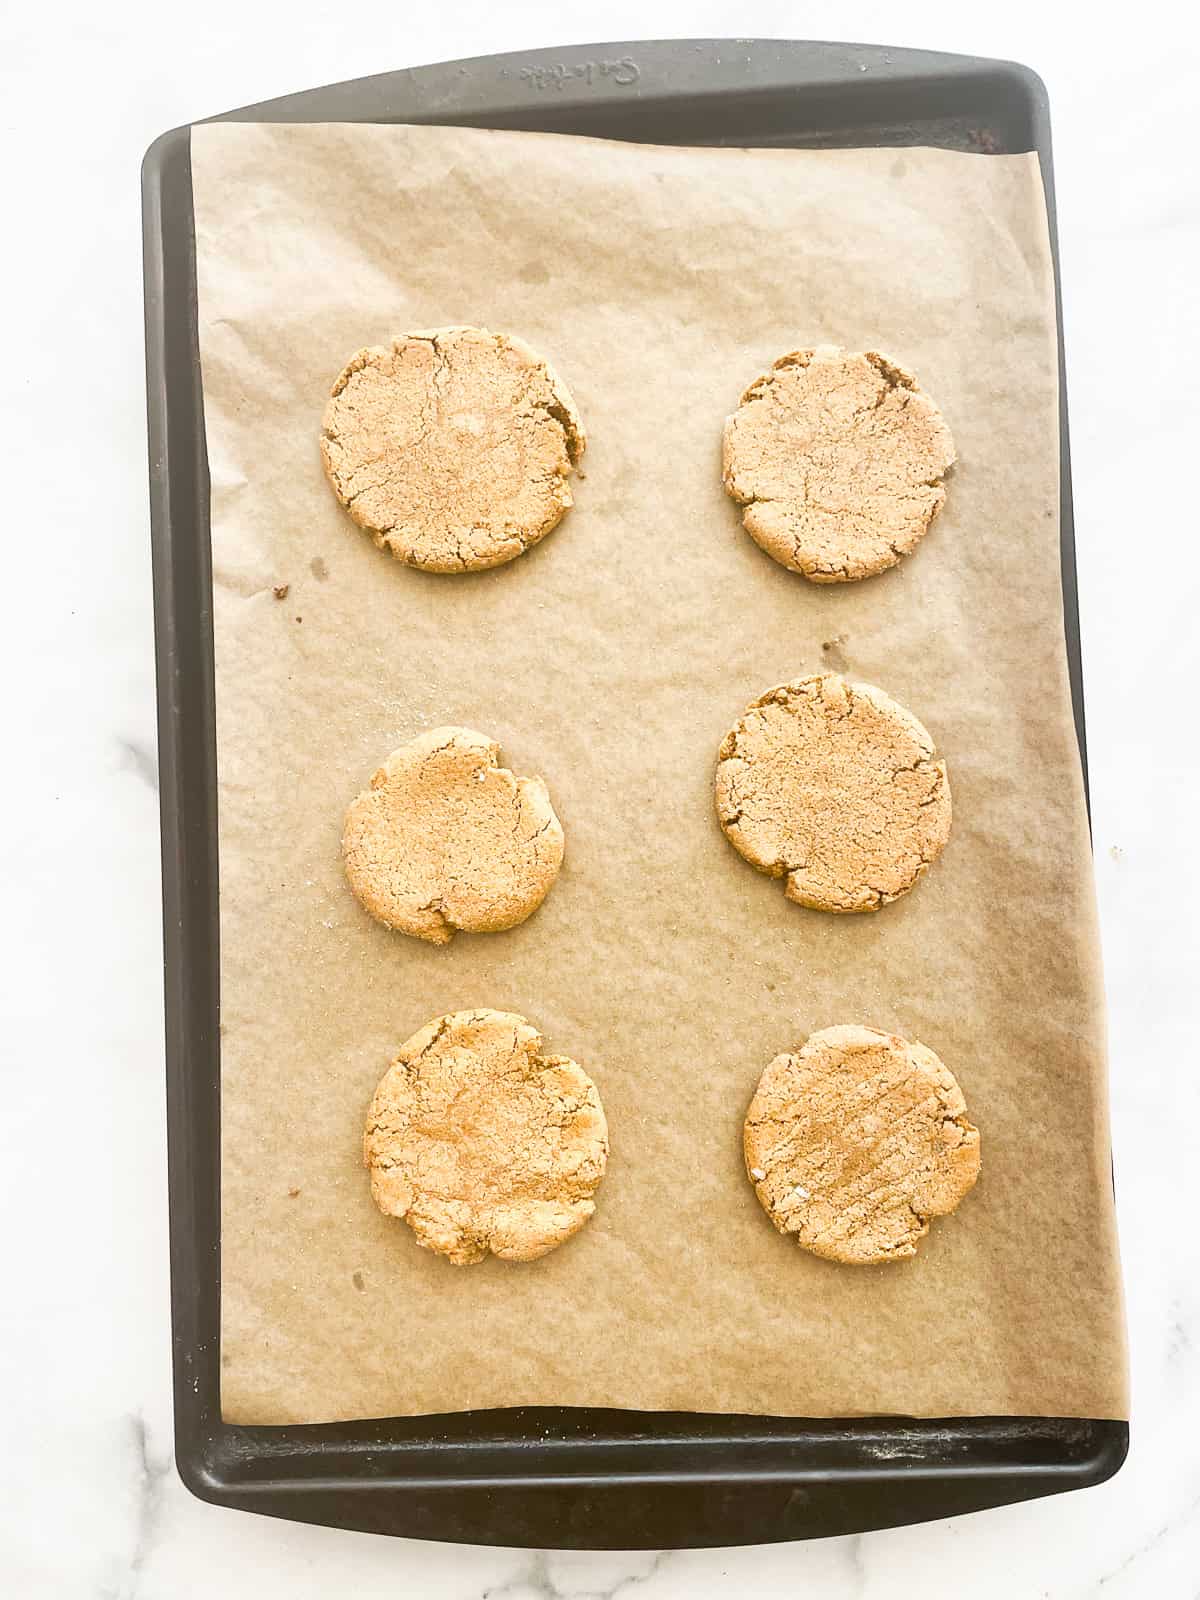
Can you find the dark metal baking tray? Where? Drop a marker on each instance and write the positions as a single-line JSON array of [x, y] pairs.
[[565, 1478]]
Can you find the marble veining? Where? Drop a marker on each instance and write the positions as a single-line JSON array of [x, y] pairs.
[[151, 1467], [548, 1576], [133, 755]]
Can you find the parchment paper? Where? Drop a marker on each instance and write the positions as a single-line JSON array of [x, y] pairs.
[[611, 660]]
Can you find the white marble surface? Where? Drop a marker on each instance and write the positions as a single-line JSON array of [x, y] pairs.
[[89, 1503]]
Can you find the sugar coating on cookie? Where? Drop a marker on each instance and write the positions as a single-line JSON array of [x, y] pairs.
[[834, 787], [482, 1143], [446, 838], [452, 447], [838, 458], [855, 1141]]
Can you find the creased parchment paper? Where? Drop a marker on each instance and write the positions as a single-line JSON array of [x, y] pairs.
[[611, 660]]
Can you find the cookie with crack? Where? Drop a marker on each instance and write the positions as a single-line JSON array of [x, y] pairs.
[[835, 788], [482, 1143], [452, 447], [838, 458], [854, 1141], [446, 838]]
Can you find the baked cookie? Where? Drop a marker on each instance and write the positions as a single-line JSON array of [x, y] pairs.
[[447, 838], [481, 1143], [855, 1141], [452, 448], [833, 786], [838, 458]]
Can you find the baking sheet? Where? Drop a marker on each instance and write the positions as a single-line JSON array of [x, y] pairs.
[[611, 660]]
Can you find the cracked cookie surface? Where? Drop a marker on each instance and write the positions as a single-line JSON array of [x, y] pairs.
[[834, 787], [452, 447], [855, 1141], [446, 838], [482, 1143], [838, 459]]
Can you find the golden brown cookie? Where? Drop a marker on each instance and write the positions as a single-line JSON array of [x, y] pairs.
[[855, 1141], [447, 838], [833, 786], [838, 458], [481, 1143], [452, 447]]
